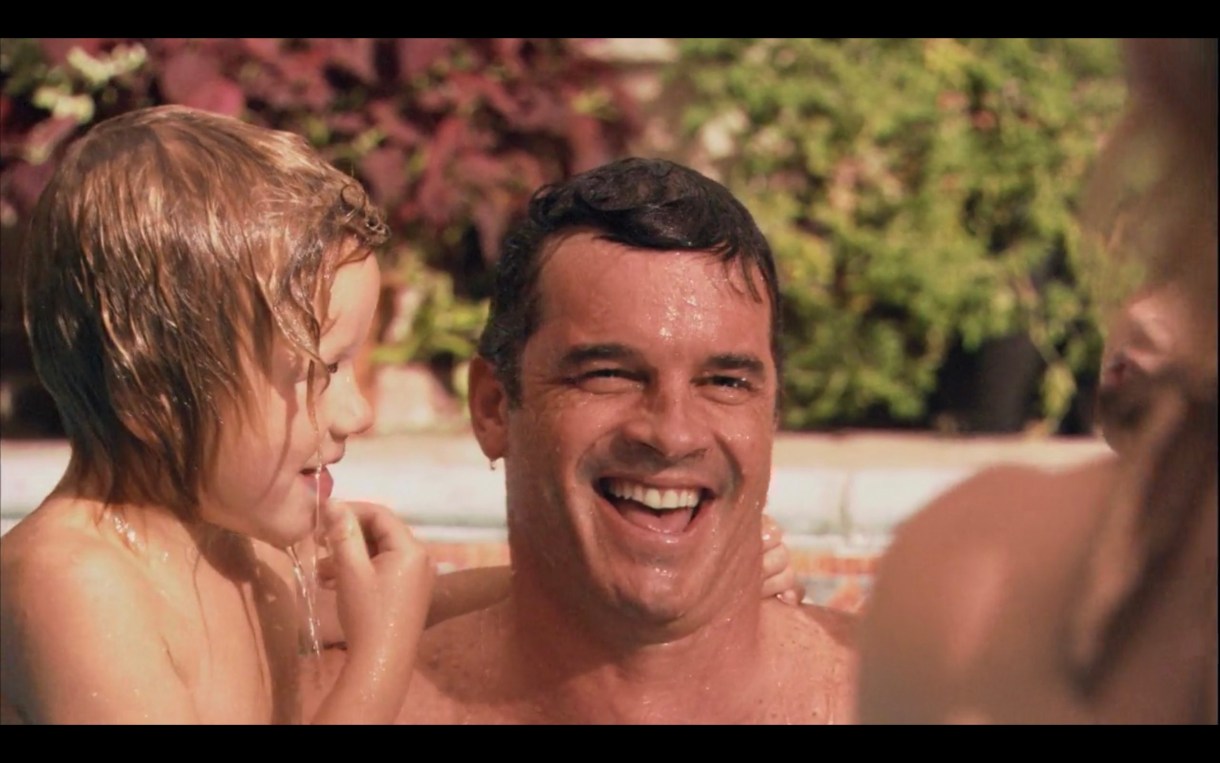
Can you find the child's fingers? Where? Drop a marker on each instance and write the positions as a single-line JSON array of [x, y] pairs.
[[330, 629], [326, 572], [386, 546], [772, 534], [784, 586], [778, 574], [775, 560], [349, 553], [779, 585], [793, 595], [383, 532]]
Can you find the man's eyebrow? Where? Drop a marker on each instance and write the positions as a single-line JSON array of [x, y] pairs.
[[584, 353], [732, 361]]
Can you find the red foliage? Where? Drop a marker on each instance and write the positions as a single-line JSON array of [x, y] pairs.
[[193, 78], [449, 135]]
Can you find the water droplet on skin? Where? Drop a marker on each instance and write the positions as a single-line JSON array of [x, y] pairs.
[[126, 531], [307, 582], [313, 646]]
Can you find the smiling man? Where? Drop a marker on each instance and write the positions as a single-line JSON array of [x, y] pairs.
[[628, 378]]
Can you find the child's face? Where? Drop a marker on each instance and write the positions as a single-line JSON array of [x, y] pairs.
[[266, 483]]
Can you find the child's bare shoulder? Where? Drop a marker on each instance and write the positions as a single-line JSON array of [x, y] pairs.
[[63, 542], [60, 573], [76, 610], [82, 625]]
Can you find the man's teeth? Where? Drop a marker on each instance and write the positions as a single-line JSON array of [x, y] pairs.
[[654, 498]]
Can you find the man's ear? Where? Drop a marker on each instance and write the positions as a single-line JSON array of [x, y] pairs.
[[488, 409]]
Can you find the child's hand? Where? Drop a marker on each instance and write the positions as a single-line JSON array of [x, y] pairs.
[[382, 577], [779, 578]]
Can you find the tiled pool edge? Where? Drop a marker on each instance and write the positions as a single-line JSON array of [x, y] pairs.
[[837, 513], [854, 505]]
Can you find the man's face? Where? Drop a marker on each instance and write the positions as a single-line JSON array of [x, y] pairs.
[[638, 460]]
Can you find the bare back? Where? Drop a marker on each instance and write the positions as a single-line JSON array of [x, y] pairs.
[[98, 628]]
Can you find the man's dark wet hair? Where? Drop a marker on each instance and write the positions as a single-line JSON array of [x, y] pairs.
[[640, 203]]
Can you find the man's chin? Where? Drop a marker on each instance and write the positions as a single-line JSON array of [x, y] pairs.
[[660, 603]]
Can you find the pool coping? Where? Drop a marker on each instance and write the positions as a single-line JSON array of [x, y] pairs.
[[849, 489]]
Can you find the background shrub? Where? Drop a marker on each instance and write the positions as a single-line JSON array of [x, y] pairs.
[[920, 196]]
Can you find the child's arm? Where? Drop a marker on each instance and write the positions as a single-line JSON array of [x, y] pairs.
[[82, 640], [383, 582], [463, 591]]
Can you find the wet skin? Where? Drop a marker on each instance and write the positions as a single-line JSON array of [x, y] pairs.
[[637, 465], [265, 484], [648, 371], [155, 620]]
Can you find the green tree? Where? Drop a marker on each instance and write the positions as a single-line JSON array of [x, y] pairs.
[[920, 196]]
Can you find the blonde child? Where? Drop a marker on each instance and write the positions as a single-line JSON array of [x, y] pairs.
[[196, 288]]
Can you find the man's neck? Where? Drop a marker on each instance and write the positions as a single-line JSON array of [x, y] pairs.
[[618, 671]]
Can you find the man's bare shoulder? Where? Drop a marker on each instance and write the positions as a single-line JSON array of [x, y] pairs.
[[815, 663], [838, 625], [459, 666]]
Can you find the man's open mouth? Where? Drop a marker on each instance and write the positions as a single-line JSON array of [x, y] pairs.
[[660, 509]]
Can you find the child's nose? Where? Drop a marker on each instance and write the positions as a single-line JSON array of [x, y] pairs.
[[351, 412]]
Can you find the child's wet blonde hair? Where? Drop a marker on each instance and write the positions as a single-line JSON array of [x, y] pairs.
[[170, 252]]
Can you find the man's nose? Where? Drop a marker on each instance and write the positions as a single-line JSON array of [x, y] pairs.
[[671, 422]]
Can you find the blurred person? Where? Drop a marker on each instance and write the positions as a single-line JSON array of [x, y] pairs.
[[1088, 596]]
